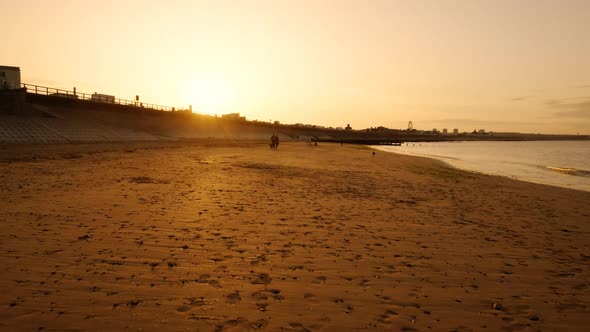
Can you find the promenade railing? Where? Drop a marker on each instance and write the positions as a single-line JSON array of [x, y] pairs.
[[97, 98]]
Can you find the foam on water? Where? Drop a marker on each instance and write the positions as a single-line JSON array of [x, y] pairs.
[[569, 171], [559, 163]]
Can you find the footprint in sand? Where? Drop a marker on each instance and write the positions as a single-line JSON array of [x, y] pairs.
[[262, 306], [276, 294], [184, 308], [196, 301], [259, 259], [298, 327], [230, 324], [234, 298], [241, 322], [387, 317], [320, 280], [259, 296], [203, 279], [261, 279], [133, 303], [214, 284], [258, 325]]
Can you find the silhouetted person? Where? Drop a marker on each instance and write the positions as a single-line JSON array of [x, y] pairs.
[[274, 141]]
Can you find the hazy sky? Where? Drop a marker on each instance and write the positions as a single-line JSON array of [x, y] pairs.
[[500, 65]]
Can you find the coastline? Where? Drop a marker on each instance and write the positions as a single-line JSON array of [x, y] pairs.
[[230, 235], [552, 173]]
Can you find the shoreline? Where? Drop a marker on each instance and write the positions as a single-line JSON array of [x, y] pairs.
[[551, 177], [51, 151], [232, 236]]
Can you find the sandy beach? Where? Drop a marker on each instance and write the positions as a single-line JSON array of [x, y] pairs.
[[233, 236]]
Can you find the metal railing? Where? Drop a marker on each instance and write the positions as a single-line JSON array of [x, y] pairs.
[[97, 98]]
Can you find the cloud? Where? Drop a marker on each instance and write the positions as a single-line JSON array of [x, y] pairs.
[[520, 98], [579, 109], [581, 113]]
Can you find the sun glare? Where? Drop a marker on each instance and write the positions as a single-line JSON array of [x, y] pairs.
[[209, 94]]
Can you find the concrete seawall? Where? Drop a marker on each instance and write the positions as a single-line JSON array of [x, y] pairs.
[[12, 101], [49, 119]]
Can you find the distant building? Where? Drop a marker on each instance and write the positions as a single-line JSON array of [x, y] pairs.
[[348, 127], [9, 78], [98, 97], [434, 130], [445, 131], [410, 125], [233, 116], [456, 131], [482, 131]]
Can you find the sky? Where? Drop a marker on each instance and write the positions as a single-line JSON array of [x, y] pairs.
[[498, 65]]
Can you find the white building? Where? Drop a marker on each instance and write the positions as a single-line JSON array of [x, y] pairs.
[[101, 98], [9, 77]]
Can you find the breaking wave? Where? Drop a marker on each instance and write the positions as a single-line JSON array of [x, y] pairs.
[[569, 171]]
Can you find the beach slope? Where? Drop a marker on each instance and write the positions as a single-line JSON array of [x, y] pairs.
[[233, 236]]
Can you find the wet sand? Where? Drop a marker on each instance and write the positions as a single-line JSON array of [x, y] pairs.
[[229, 236]]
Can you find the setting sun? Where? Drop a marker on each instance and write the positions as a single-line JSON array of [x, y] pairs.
[[209, 93]]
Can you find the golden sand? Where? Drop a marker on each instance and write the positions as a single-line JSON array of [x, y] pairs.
[[237, 237]]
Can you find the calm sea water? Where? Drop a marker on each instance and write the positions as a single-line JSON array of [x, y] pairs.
[[558, 163]]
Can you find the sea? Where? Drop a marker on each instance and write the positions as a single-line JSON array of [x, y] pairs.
[[557, 163]]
